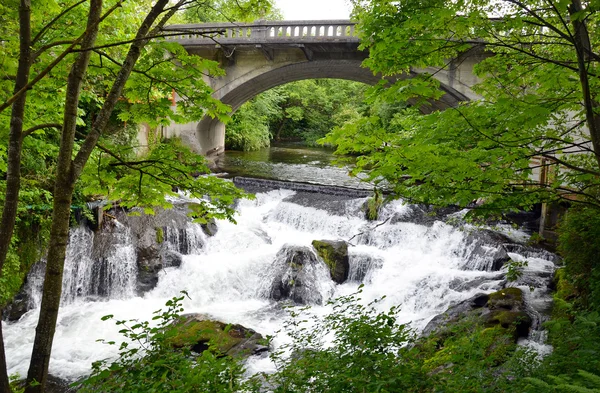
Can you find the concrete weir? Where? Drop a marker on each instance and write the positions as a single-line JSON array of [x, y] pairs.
[[261, 55]]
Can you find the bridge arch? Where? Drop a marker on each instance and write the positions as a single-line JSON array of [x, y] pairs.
[[259, 56]]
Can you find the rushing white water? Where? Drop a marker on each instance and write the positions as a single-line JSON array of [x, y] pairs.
[[423, 269]]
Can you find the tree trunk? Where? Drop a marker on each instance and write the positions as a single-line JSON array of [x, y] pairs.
[[61, 211], [15, 146], [68, 171], [135, 50], [281, 125], [584, 56]]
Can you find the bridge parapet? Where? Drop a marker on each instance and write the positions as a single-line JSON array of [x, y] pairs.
[[265, 32]]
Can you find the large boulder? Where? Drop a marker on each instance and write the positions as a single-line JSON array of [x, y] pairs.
[[335, 255], [200, 334], [210, 228], [486, 250], [17, 307], [296, 275], [505, 308]]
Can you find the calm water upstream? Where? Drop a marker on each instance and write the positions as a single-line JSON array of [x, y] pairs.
[[292, 162]]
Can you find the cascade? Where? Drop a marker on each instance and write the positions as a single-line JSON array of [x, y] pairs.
[[423, 265]]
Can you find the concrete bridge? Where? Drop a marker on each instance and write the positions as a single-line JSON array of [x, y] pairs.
[[261, 55]]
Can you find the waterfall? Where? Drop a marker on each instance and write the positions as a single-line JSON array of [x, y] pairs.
[[111, 274], [424, 265]]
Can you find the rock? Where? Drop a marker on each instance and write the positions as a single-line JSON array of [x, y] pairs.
[[17, 307], [210, 228], [171, 259], [362, 267], [505, 308], [486, 250], [335, 256], [59, 385], [424, 215], [508, 310], [296, 274], [200, 334]]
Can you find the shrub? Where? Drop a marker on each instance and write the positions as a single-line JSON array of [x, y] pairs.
[[578, 243], [148, 362]]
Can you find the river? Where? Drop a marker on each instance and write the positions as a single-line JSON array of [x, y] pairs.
[[423, 265]]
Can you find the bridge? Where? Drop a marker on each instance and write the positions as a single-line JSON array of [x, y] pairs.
[[261, 55]]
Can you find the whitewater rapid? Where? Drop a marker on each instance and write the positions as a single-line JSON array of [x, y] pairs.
[[421, 268]]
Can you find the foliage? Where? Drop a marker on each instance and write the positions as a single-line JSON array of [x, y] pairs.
[[574, 335], [356, 348], [167, 169], [148, 362], [466, 356], [249, 128], [368, 352], [304, 110], [373, 205], [69, 72], [578, 243], [514, 269], [588, 383], [532, 85], [227, 11]]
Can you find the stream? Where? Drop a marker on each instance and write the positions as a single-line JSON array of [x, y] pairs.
[[417, 261]]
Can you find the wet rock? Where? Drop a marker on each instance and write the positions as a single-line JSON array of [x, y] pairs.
[[171, 259], [529, 220], [200, 333], [335, 255], [486, 250], [296, 273], [17, 307], [210, 228], [361, 267], [159, 240], [424, 215], [505, 308]]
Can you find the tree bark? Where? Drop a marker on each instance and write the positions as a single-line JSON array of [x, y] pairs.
[[61, 210], [584, 55], [15, 146], [68, 171]]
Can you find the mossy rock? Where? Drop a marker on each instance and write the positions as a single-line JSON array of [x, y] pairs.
[[335, 256], [200, 334], [520, 321], [160, 235], [507, 298], [465, 344]]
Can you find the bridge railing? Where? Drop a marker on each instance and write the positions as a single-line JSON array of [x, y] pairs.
[[264, 32]]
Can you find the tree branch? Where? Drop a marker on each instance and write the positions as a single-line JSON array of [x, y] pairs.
[[54, 20], [29, 131]]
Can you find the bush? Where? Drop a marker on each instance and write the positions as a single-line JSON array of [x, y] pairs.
[[579, 244], [369, 352], [148, 362]]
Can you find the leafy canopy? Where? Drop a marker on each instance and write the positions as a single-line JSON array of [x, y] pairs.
[[530, 118]]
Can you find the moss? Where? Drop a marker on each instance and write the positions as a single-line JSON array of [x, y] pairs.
[[335, 256], [327, 253], [217, 336], [506, 319], [160, 235], [507, 298], [373, 205], [565, 290], [470, 344]]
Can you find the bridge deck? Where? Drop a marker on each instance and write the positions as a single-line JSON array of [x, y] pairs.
[[264, 32]]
